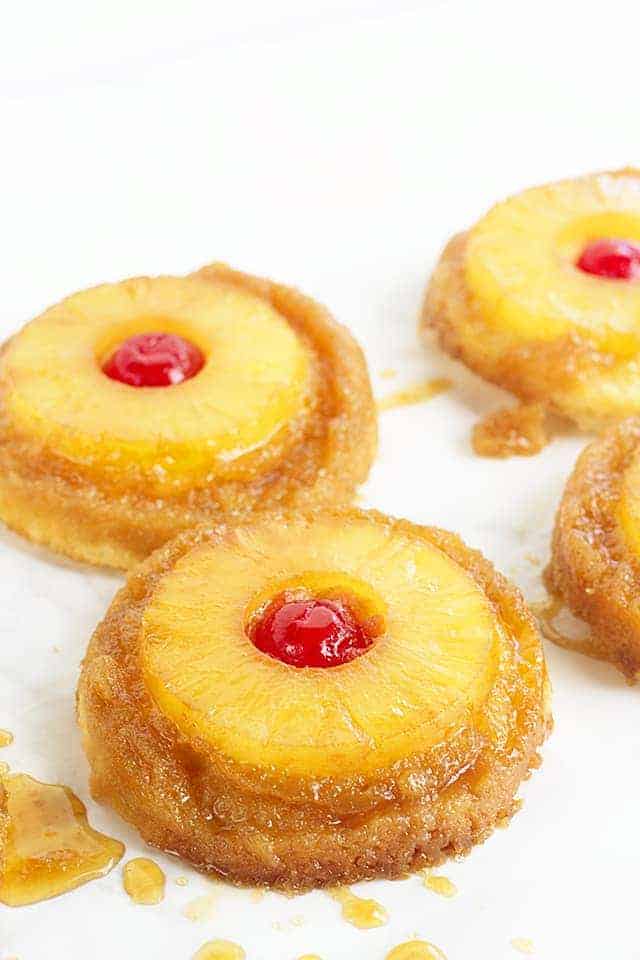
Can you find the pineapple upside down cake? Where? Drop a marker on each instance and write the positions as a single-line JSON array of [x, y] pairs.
[[542, 297], [310, 699], [595, 563], [131, 411]]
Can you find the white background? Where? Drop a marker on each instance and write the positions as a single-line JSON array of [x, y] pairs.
[[335, 146]]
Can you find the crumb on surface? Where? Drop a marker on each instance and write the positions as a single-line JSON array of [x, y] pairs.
[[519, 431]]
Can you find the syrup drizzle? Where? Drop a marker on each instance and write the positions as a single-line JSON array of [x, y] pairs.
[[360, 913], [144, 881], [416, 950], [416, 394], [220, 950], [6, 738], [439, 884], [50, 847], [545, 613]]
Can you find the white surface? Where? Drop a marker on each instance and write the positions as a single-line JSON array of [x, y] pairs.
[[334, 146]]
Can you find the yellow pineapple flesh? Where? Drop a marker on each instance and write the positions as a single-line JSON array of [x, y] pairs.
[[426, 674], [520, 262], [254, 383]]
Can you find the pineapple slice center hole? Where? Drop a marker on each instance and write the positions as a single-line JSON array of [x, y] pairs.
[[316, 620], [611, 259], [154, 359]]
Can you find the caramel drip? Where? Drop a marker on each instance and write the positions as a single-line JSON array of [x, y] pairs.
[[144, 881], [416, 394], [522, 945], [416, 950], [439, 884], [361, 913], [220, 950], [545, 613], [6, 738], [50, 847]]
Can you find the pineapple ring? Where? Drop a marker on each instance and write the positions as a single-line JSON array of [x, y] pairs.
[[105, 472], [299, 777], [507, 299], [595, 562]]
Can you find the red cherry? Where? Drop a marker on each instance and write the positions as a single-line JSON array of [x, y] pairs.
[[615, 259], [310, 633], [154, 360]]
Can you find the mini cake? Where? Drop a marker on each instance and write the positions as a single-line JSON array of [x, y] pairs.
[[542, 297], [131, 411], [316, 699], [595, 566]]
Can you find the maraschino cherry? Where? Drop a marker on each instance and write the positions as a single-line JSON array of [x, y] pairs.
[[614, 259], [310, 633], [154, 360]]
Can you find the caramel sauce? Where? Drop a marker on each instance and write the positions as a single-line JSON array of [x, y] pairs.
[[361, 913], [6, 738], [220, 950], [439, 884], [511, 432], [144, 881], [50, 847], [545, 613], [416, 950], [522, 945], [416, 394], [202, 908]]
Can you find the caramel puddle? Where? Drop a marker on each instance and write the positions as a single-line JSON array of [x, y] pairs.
[[416, 394], [416, 950], [361, 913], [439, 884], [144, 881], [220, 950], [50, 847]]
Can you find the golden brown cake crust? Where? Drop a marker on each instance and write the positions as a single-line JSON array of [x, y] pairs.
[[258, 826], [567, 375], [80, 513], [592, 568]]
